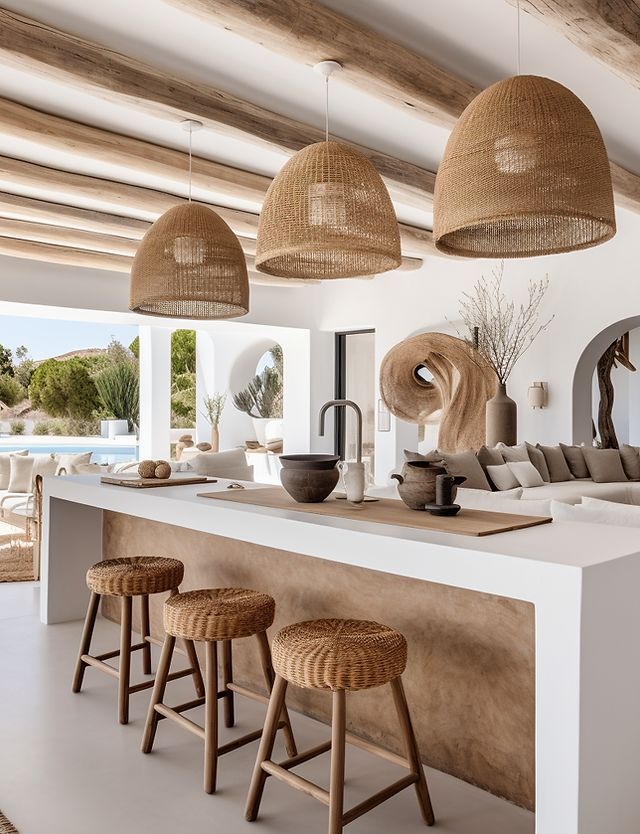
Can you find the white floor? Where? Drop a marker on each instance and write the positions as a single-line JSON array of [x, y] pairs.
[[68, 767]]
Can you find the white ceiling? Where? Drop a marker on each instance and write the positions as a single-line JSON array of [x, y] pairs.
[[471, 38]]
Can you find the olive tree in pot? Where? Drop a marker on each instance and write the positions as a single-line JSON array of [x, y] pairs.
[[501, 333], [262, 399]]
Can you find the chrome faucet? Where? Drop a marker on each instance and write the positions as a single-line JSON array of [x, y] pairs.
[[341, 404]]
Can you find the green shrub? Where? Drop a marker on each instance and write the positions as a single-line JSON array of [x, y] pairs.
[[183, 399], [118, 389], [11, 392], [65, 388], [17, 427], [43, 427]]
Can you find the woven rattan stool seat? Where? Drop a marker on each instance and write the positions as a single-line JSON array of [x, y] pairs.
[[339, 654], [130, 577], [218, 614]]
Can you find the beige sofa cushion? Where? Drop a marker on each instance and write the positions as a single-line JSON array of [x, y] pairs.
[[526, 474], [502, 477], [70, 462], [556, 461], [467, 465], [513, 454], [630, 461], [597, 512], [572, 492], [21, 473], [433, 457], [604, 465], [5, 466], [575, 460], [229, 464], [537, 458]]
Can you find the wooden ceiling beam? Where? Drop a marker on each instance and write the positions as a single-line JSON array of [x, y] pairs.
[[38, 48], [51, 253], [308, 32], [136, 155], [607, 31], [129, 200]]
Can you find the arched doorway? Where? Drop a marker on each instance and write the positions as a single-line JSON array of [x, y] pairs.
[[583, 376]]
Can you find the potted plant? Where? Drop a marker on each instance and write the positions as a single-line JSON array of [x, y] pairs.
[[501, 333], [213, 407], [262, 400]]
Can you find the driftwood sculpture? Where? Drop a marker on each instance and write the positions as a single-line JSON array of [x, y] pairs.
[[462, 384], [616, 354]]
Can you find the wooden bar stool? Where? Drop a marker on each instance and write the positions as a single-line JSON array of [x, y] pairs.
[[340, 656], [127, 578], [217, 615]]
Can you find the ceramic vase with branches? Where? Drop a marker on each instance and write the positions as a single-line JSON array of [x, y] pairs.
[[501, 332], [213, 408]]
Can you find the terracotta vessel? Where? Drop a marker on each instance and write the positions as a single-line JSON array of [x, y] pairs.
[[501, 417], [309, 479], [417, 483]]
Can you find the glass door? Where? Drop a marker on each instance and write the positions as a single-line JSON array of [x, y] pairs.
[[355, 380]]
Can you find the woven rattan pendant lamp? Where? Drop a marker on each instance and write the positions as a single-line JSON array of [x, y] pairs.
[[525, 172], [190, 264], [327, 214]]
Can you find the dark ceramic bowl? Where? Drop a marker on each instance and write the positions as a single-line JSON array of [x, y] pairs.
[[309, 461]]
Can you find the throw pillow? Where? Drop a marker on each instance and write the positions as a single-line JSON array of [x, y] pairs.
[[480, 499], [604, 465], [574, 457], [90, 469], [557, 464], [489, 457], [466, 465], [568, 512], [230, 464], [69, 462], [626, 515], [21, 473], [502, 477], [538, 459], [513, 454], [432, 457], [630, 461], [5, 466], [525, 473]]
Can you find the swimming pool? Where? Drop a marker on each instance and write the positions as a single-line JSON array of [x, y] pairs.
[[114, 453]]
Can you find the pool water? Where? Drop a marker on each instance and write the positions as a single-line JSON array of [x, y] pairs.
[[101, 454]]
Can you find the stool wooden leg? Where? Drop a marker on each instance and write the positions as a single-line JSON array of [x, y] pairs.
[[267, 669], [227, 678], [145, 632], [85, 641], [413, 754], [336, 782], [211, 718], [276, 703], [157, 696], [194, 663], [124, 671]]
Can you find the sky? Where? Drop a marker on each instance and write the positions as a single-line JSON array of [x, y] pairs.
[[51, 337]]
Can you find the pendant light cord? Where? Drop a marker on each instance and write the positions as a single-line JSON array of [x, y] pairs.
[[190, 157], [518, 37], [326, 108]]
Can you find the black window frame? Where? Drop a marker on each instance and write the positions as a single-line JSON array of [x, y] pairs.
[[340, 385]]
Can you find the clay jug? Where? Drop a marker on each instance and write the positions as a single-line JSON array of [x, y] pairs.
[[417, 483]]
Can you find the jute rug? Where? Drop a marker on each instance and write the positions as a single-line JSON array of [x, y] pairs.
[[16, 561], [6, 827]]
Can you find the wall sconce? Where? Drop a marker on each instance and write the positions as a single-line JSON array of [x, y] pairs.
[[384, 417], [538, 394]]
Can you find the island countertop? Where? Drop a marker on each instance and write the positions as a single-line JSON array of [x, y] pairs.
[[582, 580]]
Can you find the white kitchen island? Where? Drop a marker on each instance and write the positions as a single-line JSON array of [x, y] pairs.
[[582, 579]]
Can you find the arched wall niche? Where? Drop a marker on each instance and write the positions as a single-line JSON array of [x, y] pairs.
[[583, 376]]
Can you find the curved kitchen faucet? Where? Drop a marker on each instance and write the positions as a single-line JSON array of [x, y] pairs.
[[341, 404]]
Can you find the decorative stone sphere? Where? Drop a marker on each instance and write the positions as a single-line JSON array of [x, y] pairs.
[[204, 447], [147, 469], [163, 469], [187, 439]]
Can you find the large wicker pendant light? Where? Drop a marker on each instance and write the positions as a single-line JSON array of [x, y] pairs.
[[327, 214], [190, 265], [525, 172]]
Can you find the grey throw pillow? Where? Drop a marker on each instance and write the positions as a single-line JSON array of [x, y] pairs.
[[433, 457], [604, 465], [467, 465], [574, 457], [538, 459], [513, 454], [630, 461], [557, 464]]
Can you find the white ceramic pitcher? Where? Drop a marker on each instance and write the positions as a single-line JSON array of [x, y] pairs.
[[353, 478]]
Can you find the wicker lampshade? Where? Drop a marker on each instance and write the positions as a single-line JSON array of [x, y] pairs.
[[190, 265], [327, 215], [525, 172]]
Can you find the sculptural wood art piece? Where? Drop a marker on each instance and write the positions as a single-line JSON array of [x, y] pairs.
[[616, 354], [462, 383]]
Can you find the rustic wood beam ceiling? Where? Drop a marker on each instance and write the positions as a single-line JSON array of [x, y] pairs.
[[132, 200], [608, 31], [84, 65], [309, 32]]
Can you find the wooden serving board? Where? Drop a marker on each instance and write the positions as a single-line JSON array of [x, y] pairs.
[[385, 511], [149, 483]]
